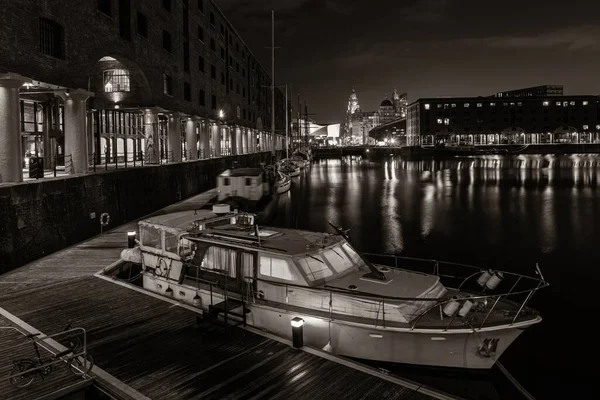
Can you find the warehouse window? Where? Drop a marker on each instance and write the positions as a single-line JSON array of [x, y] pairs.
[[142, 25], [168, 85], [117, 80], [52, 38]]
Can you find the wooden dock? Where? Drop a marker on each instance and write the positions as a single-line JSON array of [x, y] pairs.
[[160, 350]]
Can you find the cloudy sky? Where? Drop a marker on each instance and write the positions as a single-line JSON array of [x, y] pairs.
[[427, 48]]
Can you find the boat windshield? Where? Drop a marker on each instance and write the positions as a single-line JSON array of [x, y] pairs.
[[331, 263]]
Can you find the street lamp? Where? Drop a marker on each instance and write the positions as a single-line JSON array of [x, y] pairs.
[[221, 114]]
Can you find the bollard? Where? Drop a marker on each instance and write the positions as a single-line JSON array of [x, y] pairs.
[[131, 239], [297, 332]]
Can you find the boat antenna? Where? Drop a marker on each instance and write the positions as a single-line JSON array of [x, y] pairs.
[[375, 273], [257, 232]]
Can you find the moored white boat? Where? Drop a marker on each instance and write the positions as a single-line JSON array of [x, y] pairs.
[[283, 183], [454, 316]]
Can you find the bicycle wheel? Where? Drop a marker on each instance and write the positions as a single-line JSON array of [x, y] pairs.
[[22, 380], [80, 365]]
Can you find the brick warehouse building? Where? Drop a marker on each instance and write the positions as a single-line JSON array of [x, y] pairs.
[[113, 80], [494, 120]]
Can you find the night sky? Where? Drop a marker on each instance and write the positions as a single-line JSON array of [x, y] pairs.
[[427, 48]]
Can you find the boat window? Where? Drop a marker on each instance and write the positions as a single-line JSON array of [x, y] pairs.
[[315, 267], [187, 248], [276, 268], [354, 257], [226, 181], [338, 259], [248, 266], [171, 242], [248, 181], [150, 237], [221, 260]]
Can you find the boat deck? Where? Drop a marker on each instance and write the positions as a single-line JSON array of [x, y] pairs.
[[152, 348]]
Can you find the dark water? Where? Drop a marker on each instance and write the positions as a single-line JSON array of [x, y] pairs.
[[507, 212]]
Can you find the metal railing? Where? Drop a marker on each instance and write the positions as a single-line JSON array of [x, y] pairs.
[[42, 342]]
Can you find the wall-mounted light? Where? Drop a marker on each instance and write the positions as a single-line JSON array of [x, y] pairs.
[[117, 107], [221, 114]]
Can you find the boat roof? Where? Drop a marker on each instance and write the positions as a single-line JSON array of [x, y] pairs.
[[179, 220], [289, 241], [237, 172]]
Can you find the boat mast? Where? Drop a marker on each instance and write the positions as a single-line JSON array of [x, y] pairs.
[[287, 138], [273, 138]]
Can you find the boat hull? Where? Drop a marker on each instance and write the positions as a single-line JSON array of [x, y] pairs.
[[434, 348]]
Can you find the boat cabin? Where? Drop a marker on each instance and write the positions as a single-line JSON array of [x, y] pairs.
[[279, 267], [249, 183]]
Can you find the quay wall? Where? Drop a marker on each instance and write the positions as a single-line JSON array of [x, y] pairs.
[[41, 217]]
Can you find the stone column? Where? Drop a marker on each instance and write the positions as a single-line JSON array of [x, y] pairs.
[[205, 138], [245, 140], [11, 152], [233, 140], [191, 139], [75, 131], [174, 135], [152, 149], [47, 111], [216, 139]]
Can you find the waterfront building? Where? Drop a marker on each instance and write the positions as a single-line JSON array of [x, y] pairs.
[[359, 123], [506, 120], [112, 80], [536, 91]]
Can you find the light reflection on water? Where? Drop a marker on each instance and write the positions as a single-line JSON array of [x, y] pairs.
[[506, 212]]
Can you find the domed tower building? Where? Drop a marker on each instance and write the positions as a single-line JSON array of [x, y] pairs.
[[386, 111], [354, 120]]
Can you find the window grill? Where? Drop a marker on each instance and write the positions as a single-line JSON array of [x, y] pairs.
[[117, 80], [52, 37]]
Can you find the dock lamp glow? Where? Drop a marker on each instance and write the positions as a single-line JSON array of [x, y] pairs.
[[131, 239], [297, 332]]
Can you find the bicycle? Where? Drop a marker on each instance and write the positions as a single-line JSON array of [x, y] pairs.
[[25, 370]]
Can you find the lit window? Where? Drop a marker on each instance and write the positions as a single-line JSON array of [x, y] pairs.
[[453, 105], [546, 103], [220, 260], [446, 121], [440, 121], [586, 127], [585, 103], [439, 106], [479, 105], [276, 268], [520, 104], [572, 103], [116, 80], [558, 103], [427, 106], [598, 127], [492, 104]]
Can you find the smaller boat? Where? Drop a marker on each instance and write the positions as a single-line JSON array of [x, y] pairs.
[[299, 161], [283, 183], [289, 168], [249, 190]]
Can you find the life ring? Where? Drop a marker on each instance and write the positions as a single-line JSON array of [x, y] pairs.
[[104, 219]]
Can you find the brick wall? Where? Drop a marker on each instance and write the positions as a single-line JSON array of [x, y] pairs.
[[39, 218], [91, 34]]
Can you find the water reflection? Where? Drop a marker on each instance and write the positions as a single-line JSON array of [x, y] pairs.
[[507, 212]]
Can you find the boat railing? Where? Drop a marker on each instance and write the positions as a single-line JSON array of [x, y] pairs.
[[512, 287]]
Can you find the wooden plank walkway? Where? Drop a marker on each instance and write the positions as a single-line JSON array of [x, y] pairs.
[[160, 349]]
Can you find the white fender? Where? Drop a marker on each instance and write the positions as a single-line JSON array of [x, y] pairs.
[[132, 255]]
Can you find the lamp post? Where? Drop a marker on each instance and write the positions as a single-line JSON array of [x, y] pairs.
[[131, 239], [297, 332]]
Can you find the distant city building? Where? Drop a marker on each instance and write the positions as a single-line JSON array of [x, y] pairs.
[[494, 120], [359, 123], [536, 91]]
